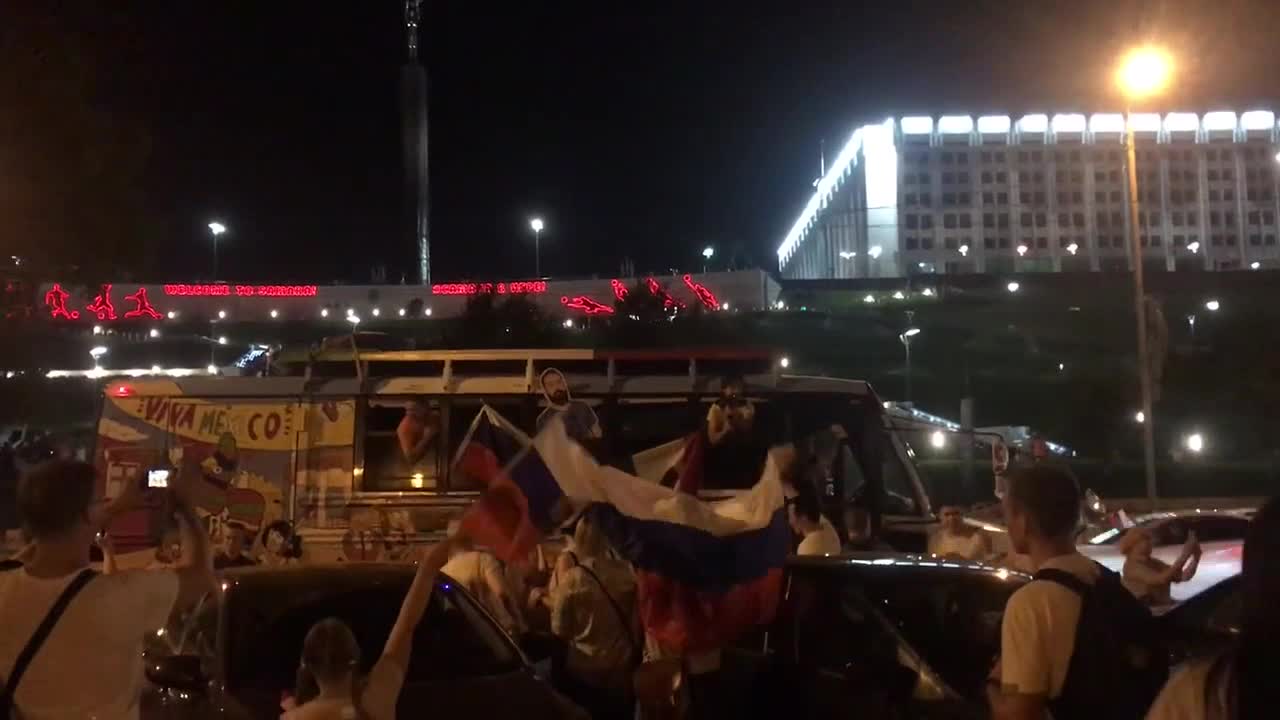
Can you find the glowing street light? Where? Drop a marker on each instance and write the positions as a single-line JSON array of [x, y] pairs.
[[1194, 442], [1255, 265], [217, 229], [97, 329], [869, 299], [785, 362], [275, 314], [1144, 72], [1212, 306], [1013, 287], [905, 337], [376, 312], [964, 250], [324, 312], [938, 439], [707, 252], [171, 314], [222, 339], [222, 314], [97, 351], [1193, 247], [154, 333], [1140, 417], [911, 332], [897, 295], [1073, 248], [1022, 249], [402, 312], [537, 225]]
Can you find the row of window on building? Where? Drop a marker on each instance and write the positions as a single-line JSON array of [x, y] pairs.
[[1114, 218], [1250, 151], [1120, 242], [1176, 197]]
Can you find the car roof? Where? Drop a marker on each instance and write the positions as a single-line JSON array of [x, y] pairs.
[[326, 577], [888, 563]]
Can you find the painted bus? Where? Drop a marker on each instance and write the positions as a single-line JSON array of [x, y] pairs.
[[307, 457]]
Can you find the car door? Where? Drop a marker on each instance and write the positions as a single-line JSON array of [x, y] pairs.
[[463, 665]]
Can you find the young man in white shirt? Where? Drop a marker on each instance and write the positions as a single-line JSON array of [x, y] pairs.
[[818, 535], [1042, 510], [955, 539], [90, 664]]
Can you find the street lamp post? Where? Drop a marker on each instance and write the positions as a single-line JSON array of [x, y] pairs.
[[1145, 72], [536, 225], [905, 337], [217, 229]]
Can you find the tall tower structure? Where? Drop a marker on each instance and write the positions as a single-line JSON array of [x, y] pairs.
[[413, 119]]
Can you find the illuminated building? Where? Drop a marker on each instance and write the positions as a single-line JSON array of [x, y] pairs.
[[1042, 193]]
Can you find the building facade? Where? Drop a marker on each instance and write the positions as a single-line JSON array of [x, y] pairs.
[[1039, 193]]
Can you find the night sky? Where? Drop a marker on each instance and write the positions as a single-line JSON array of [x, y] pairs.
[[642, 132]]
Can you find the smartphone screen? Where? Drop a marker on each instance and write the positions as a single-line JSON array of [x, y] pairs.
[[158, 478]]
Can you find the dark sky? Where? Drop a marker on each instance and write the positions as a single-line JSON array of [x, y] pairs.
[[645, 132]]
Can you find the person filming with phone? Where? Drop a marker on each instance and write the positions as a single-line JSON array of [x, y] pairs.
[[73, 639]]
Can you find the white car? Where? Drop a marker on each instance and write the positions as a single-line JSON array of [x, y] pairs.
[[1220, 532]]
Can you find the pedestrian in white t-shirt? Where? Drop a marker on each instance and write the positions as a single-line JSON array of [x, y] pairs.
[[956, 539], [328, 688], [817, 535], [1240, 683], [90, 664], [1042, 510]]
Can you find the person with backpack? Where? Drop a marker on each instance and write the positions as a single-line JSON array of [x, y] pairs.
[[72, 640], [1238, 684], [1074, 641], [593, 612]]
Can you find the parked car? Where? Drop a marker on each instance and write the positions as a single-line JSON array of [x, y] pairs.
[[236, 656], [1221, 535], [1205, 624], [863, 633]]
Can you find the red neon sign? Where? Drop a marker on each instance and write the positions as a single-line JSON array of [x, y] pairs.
[[56, 301], [704, 295], [220, 290], [101, 305], [515, 287], [619, 290], [668, 302], [586, 305], [141, 306]]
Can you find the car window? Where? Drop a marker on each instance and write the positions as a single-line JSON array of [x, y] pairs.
[[454, 639], [1220, 529], [953, 620], [385, 464], [899, 491]]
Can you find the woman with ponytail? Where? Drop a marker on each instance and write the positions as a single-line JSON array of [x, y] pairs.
[[329, 686], [1239, 684]]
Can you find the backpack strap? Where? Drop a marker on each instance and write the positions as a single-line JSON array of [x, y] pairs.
[[40, 635], [1065, 579]]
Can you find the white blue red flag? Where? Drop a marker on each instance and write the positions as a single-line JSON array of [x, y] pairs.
[[705, 570]]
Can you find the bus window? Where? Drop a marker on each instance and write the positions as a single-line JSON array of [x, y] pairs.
[[462, 412], [388, 464]]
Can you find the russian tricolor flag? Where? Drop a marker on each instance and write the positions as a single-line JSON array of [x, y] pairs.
[[706, 570]]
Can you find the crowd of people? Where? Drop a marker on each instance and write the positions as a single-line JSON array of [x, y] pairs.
[[1077, 640]]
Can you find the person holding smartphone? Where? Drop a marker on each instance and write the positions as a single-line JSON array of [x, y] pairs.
[[89, 663]]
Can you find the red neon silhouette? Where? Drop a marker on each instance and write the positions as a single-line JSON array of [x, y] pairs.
[[514, 287], [586, 305], [56, 301], [619, 290], [101, 305], [668, 302], [141, 305], [704, 295]]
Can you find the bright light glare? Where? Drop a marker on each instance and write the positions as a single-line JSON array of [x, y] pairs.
[[785, 362], [275, 313], [324, 312], [222, 314], [1194, 247], [1194, 442], [897, 295], [964, 249], [928, 292], [1073, 248], [98, 351], [428, 312], [911, 332], [780, 305], [401, 312], [212, 369], [1212, 306], [725, 306], [536, 224], [376, 312], [708, 251], [222, 340], [1144, 72], [154, 333], [938, 439], [217, 228], [1255, 265], [874, 252], [1022, 249], [568, 323], [1013, 287], [353, 319], [171, 315], [416, 480], [869, 299], [155, 369], [848, 255], [1139, 417], [97, 329]]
